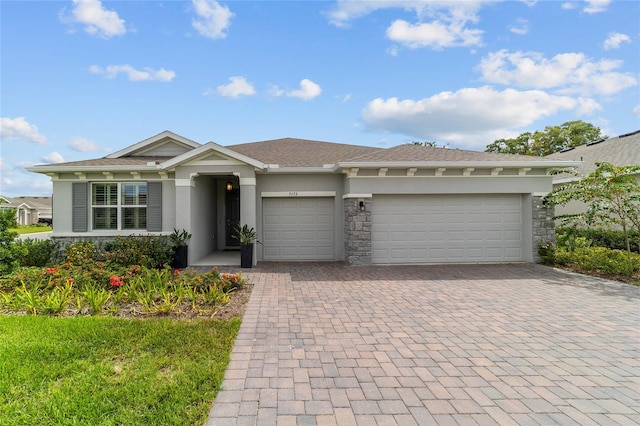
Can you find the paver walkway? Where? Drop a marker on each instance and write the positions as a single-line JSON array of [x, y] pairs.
[[329, 344]]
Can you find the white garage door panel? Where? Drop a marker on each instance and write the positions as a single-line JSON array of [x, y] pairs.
[[447, 228], [298, 228]]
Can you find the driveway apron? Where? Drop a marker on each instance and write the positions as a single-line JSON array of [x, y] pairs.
[[328, 344]]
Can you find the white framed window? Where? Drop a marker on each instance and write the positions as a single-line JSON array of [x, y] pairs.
[[118, 206]]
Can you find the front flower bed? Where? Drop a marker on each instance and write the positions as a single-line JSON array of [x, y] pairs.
[[80, 288]]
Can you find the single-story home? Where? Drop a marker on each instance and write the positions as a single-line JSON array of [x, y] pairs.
[[623, 150], [313, 201], [29, 210]]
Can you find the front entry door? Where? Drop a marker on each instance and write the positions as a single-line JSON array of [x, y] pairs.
[[232, 207]]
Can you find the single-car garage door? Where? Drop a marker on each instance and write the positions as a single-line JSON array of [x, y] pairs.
[[447, 228], [298, 228]]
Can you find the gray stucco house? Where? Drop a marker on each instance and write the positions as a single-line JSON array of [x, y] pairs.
[[313, 201]]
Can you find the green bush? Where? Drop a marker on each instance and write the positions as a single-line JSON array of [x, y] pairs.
[[613, 239], [600, 259], [39, 252], [9, 252], [151, 252]]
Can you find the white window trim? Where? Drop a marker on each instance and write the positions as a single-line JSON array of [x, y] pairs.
[[118, 206]]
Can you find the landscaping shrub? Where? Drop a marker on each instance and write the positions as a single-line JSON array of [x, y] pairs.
[[613, 239], [600, 259], [9, 252], [78, 289], [151, 252], [39, 252]]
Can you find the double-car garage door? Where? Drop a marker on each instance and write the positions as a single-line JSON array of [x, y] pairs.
[[447, 228], [298, 228], [405, 228]]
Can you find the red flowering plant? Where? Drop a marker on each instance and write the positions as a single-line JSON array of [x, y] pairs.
[[231, 282], [116, 281]]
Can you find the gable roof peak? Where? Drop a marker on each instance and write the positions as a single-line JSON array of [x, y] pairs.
[[153, 140]]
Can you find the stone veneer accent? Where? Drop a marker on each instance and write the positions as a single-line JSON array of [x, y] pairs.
[[357, 231], [544, 227]]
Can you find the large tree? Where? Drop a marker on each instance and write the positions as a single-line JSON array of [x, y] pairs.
[[551, 139]]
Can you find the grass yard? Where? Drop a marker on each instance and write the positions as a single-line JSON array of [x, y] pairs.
[[31, 229], [111, 371]]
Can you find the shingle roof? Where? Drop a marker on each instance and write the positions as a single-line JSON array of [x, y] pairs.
[[425, 153], [33, 202], [122, 161], [289, 152], [622, 150]]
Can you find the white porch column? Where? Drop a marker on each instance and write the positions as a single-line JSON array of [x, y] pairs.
[[248, 208], [184, 188]]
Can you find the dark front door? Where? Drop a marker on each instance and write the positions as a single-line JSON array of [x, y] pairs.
[[232, 207]]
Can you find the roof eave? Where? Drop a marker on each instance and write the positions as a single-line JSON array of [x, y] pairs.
[[325, 169], [44, 169], [455, 164]]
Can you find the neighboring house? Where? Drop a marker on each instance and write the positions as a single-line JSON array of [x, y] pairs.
[[623, 150], [29, 210], [311, 200]]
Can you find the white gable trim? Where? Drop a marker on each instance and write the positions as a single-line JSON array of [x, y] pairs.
[[147, 143], [206, 149]]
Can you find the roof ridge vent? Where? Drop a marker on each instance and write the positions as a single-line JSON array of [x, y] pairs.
[[568, 149], [596, 142], [628, 134]]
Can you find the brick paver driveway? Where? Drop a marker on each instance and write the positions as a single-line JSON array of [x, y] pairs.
[[468, 344]]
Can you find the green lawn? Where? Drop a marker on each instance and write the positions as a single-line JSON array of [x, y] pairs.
[[110, 371], [30, 229]]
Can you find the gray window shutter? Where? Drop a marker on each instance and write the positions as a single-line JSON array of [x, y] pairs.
[[79, 200], [154, 206]]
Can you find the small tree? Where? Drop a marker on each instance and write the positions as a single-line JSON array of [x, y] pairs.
[[612, 196], [9, 252]]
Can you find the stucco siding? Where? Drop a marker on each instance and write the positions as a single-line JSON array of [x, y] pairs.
[[62, 207]]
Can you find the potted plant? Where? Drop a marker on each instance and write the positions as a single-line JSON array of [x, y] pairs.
[[179, 240], [246, 236]]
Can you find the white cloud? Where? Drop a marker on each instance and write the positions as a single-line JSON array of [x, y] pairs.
[[237, 87], [52, 158], [15, 181], [463, 117], [439, 23], [569, 5], [636, 110], [520, 27], [614, 40], [308, 90], [275, 90], [20, 129], [98, 21], [436, 35], [596, 6], [146, 74], [4, 167], [81, 144], [213, 19], [565, 72]]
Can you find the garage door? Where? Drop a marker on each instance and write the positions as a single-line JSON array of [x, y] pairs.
[[447, 228], [298, 228]]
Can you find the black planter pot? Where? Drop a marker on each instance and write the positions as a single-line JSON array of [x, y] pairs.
[[246, 256], [180, 256]]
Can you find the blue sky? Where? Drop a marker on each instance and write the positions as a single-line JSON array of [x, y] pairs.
[[80, 79]]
